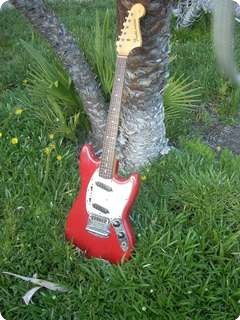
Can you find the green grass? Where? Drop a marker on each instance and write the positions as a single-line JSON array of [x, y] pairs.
[[13, 62], [186, 262]]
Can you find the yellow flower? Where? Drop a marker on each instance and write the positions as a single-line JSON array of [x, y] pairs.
[[25, 81], [52, 146], [143, 178], [1, 134], [14, 140], [51, 136], [47, 151], [59, 157], [19, 111]]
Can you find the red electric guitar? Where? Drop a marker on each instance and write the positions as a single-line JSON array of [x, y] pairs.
[[98, 221]]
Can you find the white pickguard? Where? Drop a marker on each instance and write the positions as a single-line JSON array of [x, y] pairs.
[[114, 201]]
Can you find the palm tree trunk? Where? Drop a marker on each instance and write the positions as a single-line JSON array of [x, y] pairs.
[[48, 25], [142, 132], [187, 11]]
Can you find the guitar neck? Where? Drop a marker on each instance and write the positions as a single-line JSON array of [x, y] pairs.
[[111, 131]]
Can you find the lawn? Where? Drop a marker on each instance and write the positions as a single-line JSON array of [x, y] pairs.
[[186, 218]]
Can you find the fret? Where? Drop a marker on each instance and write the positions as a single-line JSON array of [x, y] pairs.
[[111, 132]]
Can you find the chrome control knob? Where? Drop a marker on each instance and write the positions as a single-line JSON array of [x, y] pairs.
[[121, 235], [116, 223]]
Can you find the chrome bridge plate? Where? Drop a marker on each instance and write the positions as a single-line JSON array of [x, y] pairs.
[[98, 225]]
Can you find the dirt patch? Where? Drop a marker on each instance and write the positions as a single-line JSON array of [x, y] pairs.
[[220, 134], [224, 136]]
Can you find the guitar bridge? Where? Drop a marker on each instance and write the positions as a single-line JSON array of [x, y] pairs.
[[98, 225]]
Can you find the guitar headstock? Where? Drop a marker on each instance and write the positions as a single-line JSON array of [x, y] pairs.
[[131, 37]]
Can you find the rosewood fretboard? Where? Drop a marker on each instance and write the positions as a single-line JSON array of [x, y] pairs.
[[111, 131]]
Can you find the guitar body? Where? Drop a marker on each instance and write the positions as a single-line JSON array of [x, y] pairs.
[[98, 222]]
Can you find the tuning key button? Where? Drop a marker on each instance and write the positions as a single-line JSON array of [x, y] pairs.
[[116, 223]]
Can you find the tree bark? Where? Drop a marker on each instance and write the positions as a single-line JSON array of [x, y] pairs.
[[188, 11], [48, 25], [142, 132]]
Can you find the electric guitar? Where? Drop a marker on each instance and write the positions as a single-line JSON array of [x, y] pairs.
[[98, 222]]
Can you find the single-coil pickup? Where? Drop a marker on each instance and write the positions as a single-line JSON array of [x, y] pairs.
[[100, 208], [98, 219], [104, 186]]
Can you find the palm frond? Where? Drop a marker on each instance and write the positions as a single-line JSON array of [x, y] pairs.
[[180, 96], [50, 79]]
